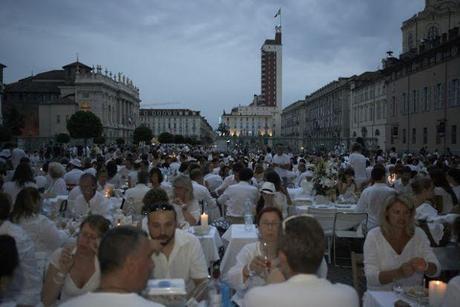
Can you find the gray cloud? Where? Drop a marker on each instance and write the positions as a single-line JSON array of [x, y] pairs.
[[202, 53]]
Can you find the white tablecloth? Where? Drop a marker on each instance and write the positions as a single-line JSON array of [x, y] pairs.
[[330, 207], [236, 237], [210, 244], [384, 299]]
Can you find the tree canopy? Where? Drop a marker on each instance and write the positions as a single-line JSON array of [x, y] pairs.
[[142, 134], [84, 125]]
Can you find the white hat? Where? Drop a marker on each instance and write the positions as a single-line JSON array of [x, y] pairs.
[[75, 162], [268, 188]]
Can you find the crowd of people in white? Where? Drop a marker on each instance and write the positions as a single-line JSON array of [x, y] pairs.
[[80, 255]]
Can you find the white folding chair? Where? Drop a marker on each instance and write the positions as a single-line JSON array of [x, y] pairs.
[[325, 217], [348, 225]]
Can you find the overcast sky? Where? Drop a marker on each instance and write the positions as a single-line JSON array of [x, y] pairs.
[[202, 54]]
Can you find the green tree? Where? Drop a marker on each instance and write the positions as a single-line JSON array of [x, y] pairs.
[[179, 139], [166, 138], [99, 140], [120, 141], [63, 138], [84, 125], [142, 134], [14, 120]]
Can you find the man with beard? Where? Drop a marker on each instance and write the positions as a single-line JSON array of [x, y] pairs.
[[178, 254]]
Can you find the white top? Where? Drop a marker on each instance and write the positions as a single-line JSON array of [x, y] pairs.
[[12, 189], [447, 202], [44, 233], [380, 256], [72, 177], [109, 299], [74, 193], [234, 277], [302, 290], [97, 205], [201, 194], [358, 163], [69, 289], [403, 189], [228, 181], [235, 197], [57, 187], [193, 208], [371, 201], [452, 297], [213, 181], [134, 197], [281, 160], [26, 286], [186, 260]]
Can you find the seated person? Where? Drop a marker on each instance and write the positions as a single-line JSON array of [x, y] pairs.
[[178, 254], [125, 260], [301, 252], [348, 190], [134, 196], [452, 296], [257, 263], [397, 250], [74, 270], [403, 183], [90, 201], [187, 208]]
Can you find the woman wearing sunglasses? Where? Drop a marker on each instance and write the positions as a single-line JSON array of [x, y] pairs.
[[75, 270], [257, 263]]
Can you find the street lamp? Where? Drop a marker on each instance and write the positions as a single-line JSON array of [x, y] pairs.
[[228, 143]]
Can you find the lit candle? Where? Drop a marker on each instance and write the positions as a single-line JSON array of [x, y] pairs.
[[437, 290], [204, 220]]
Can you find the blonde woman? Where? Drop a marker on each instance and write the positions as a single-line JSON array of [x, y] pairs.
[[187, 207], [57, 184], [397, 251]]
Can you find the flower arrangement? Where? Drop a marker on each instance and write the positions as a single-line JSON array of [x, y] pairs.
[[325, 177]]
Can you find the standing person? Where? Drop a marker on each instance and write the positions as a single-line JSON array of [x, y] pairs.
[[372, 198], [358, 163], [301, 252], [282, 164], [57, 185], [125, 262]]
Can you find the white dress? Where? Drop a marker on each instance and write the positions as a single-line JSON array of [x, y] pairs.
[[380, 256], [12, 189], [57, 187], [69, 289]]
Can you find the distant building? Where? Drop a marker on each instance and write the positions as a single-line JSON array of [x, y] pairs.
[[293, 125], [185, 122], [2, 85], [48, 99], [368, 109], [263, 116]]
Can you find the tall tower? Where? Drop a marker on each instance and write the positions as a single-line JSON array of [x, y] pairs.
[[271, 77]]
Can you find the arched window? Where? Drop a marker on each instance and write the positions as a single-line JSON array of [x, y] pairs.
[[432, 32]]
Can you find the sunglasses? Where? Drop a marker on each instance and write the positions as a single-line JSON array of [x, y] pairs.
[[293, 217]]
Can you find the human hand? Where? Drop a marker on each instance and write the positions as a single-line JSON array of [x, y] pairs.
[[66, 259], [257, 265], [406, 269], [418, 264]]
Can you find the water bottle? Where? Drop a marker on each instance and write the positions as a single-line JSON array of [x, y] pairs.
[[248, 221]]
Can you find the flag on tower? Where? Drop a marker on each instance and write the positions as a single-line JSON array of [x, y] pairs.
[[278, 13]]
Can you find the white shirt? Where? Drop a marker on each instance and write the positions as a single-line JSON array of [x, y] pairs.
[[110, 299], [73, 176], [16, 156], [452, 296], [281, 160], [57, 187], [358, 163], [69, 288], [12, 189], [371, 201], [380, 256], [74, 193], [302, 290], [235, 197], [186, 260], [234, 277], [401, 188], [213, 181], [26, 285], [193, 208], [202, 195], [230, 180], [97, 205], [44, 233], [447, 202], [134, 197]]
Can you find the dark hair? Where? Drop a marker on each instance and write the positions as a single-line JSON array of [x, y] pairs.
[[421, 184], [89, 175], [303, 244], [5, 206], [116, 245], [142, 177], [343, 173], [245, 174], [154, 196], [455, 174], [9, 257], [195, 174], [356, 147], [378, 173], [111, 169], [98, 223], [157, 171], [237, 167], [267, 210], [23, 174], [273, 177], [27, 204], [439, 180], [159, 206]]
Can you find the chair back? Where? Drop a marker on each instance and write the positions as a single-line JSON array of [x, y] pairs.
[[348, 220], [325, 217]]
